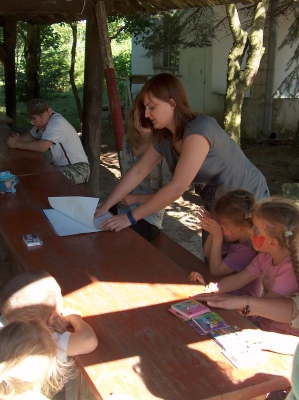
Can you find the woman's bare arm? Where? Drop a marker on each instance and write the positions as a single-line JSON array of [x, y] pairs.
[[194, 152]]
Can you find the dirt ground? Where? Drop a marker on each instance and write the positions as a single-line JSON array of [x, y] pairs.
[[180, 222]]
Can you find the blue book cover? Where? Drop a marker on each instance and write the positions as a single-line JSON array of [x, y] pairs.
[[210, 321]]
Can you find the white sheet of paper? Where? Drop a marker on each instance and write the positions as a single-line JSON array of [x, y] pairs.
[[72, 215]]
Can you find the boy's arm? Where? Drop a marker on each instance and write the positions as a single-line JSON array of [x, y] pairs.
[[26, 137], [235, 281], [15, 142], [83, 340]]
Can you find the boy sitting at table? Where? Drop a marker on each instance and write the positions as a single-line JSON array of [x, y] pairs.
[[37, 295], [52, 131]]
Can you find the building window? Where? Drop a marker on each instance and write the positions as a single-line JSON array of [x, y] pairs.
[[168, 58], [171, 53]]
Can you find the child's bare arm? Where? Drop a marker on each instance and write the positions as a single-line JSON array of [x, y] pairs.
[[235, 281], [83, 340]]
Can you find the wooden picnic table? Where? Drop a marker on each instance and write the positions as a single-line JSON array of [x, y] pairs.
[[123, 286], [21, 162]]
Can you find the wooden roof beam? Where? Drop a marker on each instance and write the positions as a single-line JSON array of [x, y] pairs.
[[47, 6]]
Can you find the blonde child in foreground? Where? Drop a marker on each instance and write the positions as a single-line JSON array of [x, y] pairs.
[[229, 227], [28, 362], [37, 295], [275, 235]]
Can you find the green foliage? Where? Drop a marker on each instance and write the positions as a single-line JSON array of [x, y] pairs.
[[290, 85], [178, 28], [121, 28], [56, 41]]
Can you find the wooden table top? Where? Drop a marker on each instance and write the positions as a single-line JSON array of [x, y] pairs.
[[21, 162], [123, 287]]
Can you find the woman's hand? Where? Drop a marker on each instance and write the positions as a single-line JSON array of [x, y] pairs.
[[196, 276], [116, 223], [220, 300], [99, 211]]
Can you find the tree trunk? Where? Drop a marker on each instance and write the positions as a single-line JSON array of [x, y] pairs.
[[10, 38], [72, 71], [32, 55], [238, 80], [297, 134]]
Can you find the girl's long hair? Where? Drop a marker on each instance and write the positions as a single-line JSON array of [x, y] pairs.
[[281, 218], [166, 87], [235, 206], [20, 340]]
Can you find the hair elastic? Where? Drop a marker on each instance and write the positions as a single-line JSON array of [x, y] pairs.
[[248, 216], [288, 233]]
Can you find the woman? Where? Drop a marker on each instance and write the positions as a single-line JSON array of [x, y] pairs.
[[194, 146]]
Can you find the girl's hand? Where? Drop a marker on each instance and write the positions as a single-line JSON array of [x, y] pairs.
[[209, 224], [196, 276], [116, 223], [59, 324], [203, 212], [128, 200]]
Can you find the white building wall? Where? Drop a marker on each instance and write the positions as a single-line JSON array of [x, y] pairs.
[[203, 73]]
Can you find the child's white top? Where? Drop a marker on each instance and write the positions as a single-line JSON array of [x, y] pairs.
[[62, 341]]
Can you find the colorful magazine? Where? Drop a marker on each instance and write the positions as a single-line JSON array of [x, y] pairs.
[[190, 308], [181, 317], [210, 321]]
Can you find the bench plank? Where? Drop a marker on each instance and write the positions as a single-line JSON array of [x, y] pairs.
[[182, 257]]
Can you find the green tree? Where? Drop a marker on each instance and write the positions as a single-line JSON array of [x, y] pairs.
[[239, 80]]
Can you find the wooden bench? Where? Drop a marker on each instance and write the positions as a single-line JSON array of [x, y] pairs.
[[182, 257]]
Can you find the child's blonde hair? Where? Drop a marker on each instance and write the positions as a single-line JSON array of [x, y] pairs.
[[31, 290], [235, 206], [18, 342], [133, 135], [281, 218]]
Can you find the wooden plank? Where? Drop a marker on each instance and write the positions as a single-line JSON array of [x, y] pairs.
[[47, 6]]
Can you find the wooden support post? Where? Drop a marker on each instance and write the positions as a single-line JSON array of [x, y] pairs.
[[92, 102], [109, 73]]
